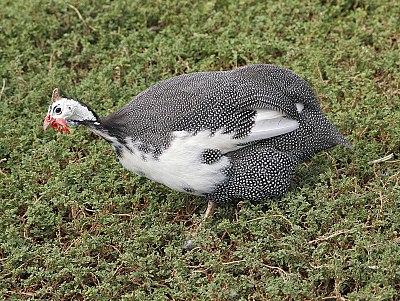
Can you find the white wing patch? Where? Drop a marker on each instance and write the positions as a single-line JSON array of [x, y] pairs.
[[270, 123]]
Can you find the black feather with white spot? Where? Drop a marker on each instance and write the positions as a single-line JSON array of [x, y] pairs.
[[257, 172]]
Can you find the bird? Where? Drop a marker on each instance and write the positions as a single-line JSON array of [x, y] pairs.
[[223, 135]]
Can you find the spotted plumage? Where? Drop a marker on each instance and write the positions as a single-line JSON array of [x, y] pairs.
[[223, 135]]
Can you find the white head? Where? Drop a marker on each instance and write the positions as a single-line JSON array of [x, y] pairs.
[[63, 111]]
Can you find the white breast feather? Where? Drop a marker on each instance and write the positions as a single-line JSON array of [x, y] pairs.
[[179, 166]]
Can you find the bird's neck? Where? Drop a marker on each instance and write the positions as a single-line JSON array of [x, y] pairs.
[[101, 130], [82, 113]]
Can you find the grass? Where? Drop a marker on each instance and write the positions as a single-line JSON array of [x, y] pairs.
[[74, 225]]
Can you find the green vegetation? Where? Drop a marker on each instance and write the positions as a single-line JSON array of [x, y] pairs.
[[74, 225]]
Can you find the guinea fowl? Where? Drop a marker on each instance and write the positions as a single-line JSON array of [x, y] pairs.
[[223, 135]]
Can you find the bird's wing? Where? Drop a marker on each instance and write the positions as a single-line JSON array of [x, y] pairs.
[[268, 124], [249, 104]]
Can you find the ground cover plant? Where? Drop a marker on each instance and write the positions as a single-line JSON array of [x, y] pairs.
[[74, 225]]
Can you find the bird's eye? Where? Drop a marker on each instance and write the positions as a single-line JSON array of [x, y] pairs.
[[57, 110]]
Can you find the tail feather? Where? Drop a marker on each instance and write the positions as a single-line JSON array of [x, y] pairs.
[[315, 134]]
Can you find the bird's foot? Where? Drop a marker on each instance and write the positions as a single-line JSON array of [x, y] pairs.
[[210, 209]]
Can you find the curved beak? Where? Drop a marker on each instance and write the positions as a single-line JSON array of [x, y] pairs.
[[47, 122]]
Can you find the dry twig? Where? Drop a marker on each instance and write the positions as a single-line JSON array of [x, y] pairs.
[[2, 88], [334, 234], [80, 17], [233, 262], [380, 160]]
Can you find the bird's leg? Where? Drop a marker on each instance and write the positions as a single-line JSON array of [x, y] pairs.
[[210, 209]]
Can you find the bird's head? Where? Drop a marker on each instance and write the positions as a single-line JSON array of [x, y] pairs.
[[65, 111]]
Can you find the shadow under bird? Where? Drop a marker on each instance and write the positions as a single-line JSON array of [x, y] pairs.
[[223, 135]]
